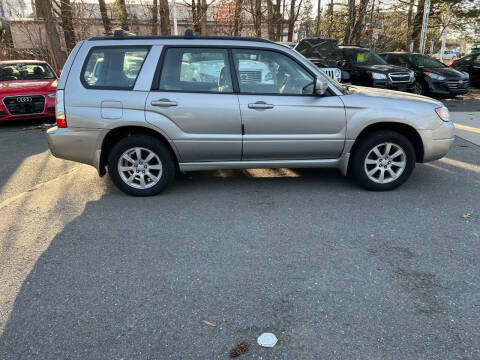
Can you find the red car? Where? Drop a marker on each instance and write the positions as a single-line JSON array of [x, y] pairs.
[[27, 90]]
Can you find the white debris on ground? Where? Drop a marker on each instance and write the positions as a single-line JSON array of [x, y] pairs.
[[267, 340]]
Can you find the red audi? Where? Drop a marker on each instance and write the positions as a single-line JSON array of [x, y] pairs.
[[27, 90]]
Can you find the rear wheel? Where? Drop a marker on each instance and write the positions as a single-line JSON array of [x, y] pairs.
[[383, 160], [140, 165]]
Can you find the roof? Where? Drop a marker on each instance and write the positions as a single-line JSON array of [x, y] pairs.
[[173, 37], [13, 62]]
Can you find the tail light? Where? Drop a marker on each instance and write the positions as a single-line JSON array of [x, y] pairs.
[[453, 63], [60, 110]]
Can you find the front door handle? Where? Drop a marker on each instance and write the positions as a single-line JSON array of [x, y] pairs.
[[163, 103], [260, 105]]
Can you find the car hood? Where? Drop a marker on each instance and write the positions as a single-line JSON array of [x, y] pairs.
[[20, 87], [447, 72], [391, 94], [384, 69]]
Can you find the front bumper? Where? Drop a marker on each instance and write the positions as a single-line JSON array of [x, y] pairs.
[[48, 112], [81, 145], [437, 143], [399, 86], [447, 87]]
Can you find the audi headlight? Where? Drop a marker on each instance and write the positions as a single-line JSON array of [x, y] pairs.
[[52, 95], [434, 76], [378, 76], [443, 113]]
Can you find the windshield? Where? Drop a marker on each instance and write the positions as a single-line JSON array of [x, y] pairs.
[[363, 57], [25, 72], [424, 61]]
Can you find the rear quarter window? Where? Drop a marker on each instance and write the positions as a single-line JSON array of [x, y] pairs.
[[113, 67]]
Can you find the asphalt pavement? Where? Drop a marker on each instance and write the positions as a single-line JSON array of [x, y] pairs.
[[334, 271]]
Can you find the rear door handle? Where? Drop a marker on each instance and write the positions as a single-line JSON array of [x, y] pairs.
[[163, 103], [260, 105]]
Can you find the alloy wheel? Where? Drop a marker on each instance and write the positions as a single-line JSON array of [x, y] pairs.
[[140, 168], [385, 163]]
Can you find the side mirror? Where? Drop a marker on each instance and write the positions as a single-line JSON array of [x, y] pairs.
[[321, 85]]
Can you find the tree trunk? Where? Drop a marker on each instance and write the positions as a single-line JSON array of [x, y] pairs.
[[257, 18], [164, 18], [319, 14], [203, 19], [291, 21], [105, 19], [350, 22], [155, 17], [44, 10], [122, 15], [417, 23], [359, 23], [67, 24], [409, 24], [237, 21], [330, 28], [278, 21], [372, 23], [271, 20]]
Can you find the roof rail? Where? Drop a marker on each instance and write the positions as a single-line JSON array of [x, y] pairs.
[[121, 34]]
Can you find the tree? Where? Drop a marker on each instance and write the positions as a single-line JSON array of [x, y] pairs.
[[256, 10], [292, 17], [155, 17], [164, 18], [44, 10], [359, 24], [122, 14], [67, 24], [105, 19], [237, 18], [350, 22]]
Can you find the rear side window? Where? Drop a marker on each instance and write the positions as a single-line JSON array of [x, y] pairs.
[[196, 70], [113, 67]]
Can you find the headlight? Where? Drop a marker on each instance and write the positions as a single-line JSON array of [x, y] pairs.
[[269, 76], [338, 74], [443, 113], [412, 76], [434, 76], [52, 95], [467, 75], [378, 76]]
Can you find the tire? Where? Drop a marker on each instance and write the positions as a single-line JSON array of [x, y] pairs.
[[420, 88], [365, 159], [156, 165]]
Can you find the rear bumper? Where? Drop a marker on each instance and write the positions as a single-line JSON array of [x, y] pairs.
[[81, 145], [437, 143]]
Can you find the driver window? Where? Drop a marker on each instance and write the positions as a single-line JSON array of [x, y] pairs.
[[269, 72]]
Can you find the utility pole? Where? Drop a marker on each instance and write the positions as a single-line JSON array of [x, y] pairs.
[[174, 13], [423, 36]]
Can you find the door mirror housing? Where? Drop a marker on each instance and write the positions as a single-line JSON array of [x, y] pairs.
[[321, 86]]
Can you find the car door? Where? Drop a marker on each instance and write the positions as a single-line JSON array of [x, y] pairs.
[[194, 103], [281, 116], [475, 70]]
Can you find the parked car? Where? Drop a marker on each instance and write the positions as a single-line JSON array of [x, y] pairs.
[[471, 65], [144, 131], [367, 68], [447, 55], [27, 90], [432, 76], [474, 50]]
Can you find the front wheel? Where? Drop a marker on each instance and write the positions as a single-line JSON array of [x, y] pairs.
[[383, 160], [140, 165], [419, 88]]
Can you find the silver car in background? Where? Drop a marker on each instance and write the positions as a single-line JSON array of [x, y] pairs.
[[203, 103]]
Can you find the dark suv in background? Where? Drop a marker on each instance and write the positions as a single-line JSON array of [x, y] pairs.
[[367, 68], [432, 76], [359, 66], [471, 65]]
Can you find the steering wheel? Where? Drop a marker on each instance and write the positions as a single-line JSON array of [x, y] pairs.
[[222, 80]]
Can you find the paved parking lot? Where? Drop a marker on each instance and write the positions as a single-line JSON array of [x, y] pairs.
[[334, 271]]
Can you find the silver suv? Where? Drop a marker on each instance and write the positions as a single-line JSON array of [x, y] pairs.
[[146, 107]]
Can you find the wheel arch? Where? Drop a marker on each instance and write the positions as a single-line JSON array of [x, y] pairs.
[[116, 134], [406, 130]]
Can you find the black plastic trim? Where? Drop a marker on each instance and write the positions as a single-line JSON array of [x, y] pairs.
[[173, 37]]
